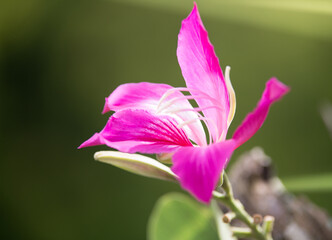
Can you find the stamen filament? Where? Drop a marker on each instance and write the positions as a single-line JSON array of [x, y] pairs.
[[200, 116], [169, 92], [197, 95], [204, 119], [192, 109], [172, 90]]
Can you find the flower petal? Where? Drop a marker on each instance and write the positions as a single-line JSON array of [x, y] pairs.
[[123, 146], [199, 168], [147, 96], [141, 95], [140, 131], [274, 90], [202, 73]]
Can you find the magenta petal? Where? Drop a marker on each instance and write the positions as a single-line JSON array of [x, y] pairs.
[[141, 95], [95, 140], [141, 125], [274, 90], [202, 73], [199, 168], [126, 146], [140, 131], [146, 96]]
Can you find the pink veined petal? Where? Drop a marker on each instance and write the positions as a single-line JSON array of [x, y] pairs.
[[140, 131], [146, 96], [199, 168], [201, 71], [141, 95], [141, 125], [274, 90], [125, 146]]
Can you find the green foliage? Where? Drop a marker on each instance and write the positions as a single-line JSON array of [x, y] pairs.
[[309, 183], [178, 217], [305, 17]]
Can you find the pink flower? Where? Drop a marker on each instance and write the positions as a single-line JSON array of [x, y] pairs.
[[157, 118]]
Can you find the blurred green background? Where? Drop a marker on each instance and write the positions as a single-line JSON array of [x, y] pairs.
[[59, 59]]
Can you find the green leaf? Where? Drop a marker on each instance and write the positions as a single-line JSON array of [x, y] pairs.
[[137, 164], [179, 217], [309, 183]]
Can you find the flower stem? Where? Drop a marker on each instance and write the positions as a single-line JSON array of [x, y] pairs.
[[240, 213], [240, 232]]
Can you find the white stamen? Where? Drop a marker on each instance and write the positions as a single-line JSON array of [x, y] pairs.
[[204, 119], [171, 91], [200, 116], [198, 95], [222, 136], [192, 109], [170, 102]]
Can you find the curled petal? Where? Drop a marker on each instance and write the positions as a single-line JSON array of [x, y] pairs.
[[274, 90], [147, 96], [199, 168], [202, 73]]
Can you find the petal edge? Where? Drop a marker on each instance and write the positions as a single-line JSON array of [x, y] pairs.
[[273, 92], [202, 73], [199, 168]]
